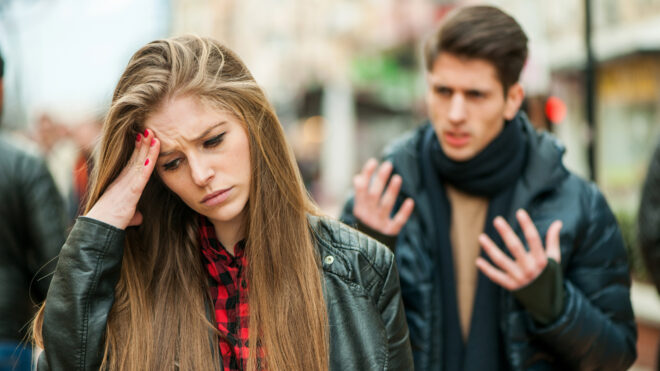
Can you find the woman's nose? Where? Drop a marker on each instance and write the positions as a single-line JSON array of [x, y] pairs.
[[200, 172]]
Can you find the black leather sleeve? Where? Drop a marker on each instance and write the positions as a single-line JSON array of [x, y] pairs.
[[80, 297], [393, 316]]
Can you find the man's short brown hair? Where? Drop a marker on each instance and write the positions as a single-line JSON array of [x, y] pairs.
[[481, 32]]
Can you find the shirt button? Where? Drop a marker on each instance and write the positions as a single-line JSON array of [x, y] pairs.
[[329, 259]]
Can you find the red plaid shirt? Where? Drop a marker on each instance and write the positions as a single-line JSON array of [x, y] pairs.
[[229, 293]]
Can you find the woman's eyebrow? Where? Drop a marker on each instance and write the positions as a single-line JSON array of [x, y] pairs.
[[205, 133]]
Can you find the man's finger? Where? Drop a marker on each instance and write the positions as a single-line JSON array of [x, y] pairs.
[[361, 204], [510, 238], [368, 169], [531, 235], [402, 216], [361, 181], [495, 274], [499, 258], [552, 245], [390, 195], [369, 166], [378, 182]]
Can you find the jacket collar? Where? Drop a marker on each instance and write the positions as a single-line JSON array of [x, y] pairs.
[[544, 170]]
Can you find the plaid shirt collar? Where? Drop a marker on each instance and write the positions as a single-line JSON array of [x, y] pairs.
[[229, 292], [213, 250]]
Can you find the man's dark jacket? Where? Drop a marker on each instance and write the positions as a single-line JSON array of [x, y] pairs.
[[368, 328], [32, 230], [596, 329]]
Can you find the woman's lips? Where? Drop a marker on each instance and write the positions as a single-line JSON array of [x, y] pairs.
[[456, 139], [217, 197]]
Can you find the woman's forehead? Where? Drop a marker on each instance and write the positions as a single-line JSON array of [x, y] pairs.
[[187, 114]]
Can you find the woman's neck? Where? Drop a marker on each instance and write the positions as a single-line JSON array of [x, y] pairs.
[[229, 233]]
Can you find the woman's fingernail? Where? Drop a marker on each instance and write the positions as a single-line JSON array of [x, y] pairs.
[[139, 137], [146, 162], [153, 141], [146, 132]]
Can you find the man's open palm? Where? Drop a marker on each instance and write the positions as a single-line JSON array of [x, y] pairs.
[[516, 273], [372, 206]]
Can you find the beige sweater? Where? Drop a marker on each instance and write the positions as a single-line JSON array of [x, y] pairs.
[[468, 215]]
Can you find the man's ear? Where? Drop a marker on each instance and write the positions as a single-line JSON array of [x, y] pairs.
[[514, 98]]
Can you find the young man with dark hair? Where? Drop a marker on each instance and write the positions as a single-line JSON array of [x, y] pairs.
[[478, 187]]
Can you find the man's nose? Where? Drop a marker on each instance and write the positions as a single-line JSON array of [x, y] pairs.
[[457, 109]]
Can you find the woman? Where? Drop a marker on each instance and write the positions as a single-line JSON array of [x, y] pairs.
[[196, 205]]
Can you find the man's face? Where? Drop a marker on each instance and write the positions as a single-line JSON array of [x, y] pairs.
[[467, 105]]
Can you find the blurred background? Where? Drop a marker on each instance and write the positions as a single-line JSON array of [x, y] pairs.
[[345, 77]]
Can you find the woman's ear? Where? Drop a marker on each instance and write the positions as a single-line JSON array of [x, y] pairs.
[[514, 98]]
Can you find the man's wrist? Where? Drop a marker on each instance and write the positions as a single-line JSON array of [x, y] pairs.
[[385, 239], [543, 298]]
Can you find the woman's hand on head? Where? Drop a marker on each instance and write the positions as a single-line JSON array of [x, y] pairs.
[[117, 206]]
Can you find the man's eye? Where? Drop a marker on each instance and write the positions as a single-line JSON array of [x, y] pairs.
[[172, 165], [475, 94], [443, 91], [214, 141]]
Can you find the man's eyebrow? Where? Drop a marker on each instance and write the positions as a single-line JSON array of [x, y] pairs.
[[205, 133]]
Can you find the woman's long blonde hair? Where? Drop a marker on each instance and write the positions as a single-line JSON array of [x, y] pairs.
[[160, 318]]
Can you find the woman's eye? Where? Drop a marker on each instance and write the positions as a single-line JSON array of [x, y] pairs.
[[214, 141], [172, 165]]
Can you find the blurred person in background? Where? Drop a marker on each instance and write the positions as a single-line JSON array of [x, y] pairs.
[[48, 133], [200, 249], [84, 135], [649, 223], [32, 230], [553, 288]]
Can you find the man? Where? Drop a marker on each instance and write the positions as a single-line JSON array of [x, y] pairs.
[[552, 288], [32, 231]]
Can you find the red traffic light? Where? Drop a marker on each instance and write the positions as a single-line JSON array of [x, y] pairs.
[[555, 110]]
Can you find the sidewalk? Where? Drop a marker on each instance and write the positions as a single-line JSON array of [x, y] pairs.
[[646, 304]]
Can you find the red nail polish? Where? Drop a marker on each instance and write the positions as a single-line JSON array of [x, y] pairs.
[[146, 132], [153, 141], [139, 137], [146, 162]]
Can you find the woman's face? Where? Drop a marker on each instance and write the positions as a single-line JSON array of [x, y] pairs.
[[204, 158]]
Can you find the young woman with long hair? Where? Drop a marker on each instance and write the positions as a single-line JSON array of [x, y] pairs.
[[200, 249]]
